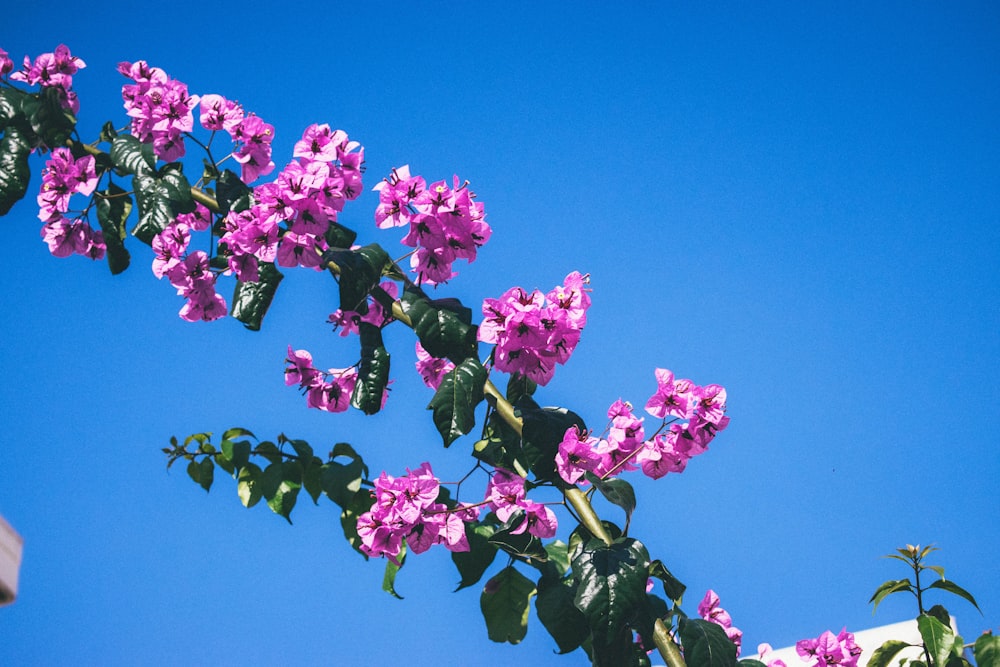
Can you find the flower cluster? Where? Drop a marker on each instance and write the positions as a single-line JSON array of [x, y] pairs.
[[829, 649], [668, 450], [306, 196], [62, 177], [533, 332], [765, 655], [445, 223], [407, 508], [329, 391], [160, 108], [189, 273], [710, 610], [50, 70], [505, 495], [252, 135]]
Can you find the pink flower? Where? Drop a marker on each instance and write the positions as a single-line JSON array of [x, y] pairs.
[[432, 370], [710, 610], [828, 649], [576, 457]]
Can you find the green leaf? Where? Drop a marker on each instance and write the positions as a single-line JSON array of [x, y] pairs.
[[618, 492], [986, 651], [558, 552], [108, 132], [940, 613], [251, 300], [237, 432], [750, 662], [202, 472], [883, 655], [706, 644], [518, 386], [611, 585], [558, 613], [443, 326], [229, 189], [153, 204], [472, 564], [500, 444], [248, 484], [312, 479], [176, 188], [341, 482], [338, 236], [373, 373], [48, 119], [455, 401], [505, 602], [280, 486], [521, 545], [542, 432], [10, 108], [954, 588], [237, 451], [888, 588], [938, 638], [671, 585], [113, 208], [14, 170], [130, 156], [360, 271], [391, 570]]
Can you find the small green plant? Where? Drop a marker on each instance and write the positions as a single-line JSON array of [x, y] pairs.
[[941, 646]]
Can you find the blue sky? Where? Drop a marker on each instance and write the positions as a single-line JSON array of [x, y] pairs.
[[797, 201]]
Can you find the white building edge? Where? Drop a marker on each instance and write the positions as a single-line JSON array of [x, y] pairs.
[[11, 546]]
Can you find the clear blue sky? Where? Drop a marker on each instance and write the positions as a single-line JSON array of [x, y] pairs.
[[799, 201]]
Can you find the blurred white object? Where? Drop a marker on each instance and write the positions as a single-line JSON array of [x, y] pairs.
[[868, 641], [11, 546]]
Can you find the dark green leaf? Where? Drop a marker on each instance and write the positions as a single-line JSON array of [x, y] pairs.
[[543, 430], [14, 170], [391, 570], [519, 385], [954, 588], [113, 208], [750, 662], [251, 300], [248, 484], [108, 132], [237, 451], [176, 188], [202, 472], [505, 603], [558, 552], [373, 373], [130, 156], [938, 638], [611, 585], [888, 588], [706, 644], [883, 655], [986, 651], [558, 613], [10, 108], [338, 236], [153, 204], [360, 271], [500, 444], [671, 585], [48, 119], [312, 479], [472, 564], [237, 432], [230, 188], [443, 333], [269, 451], [455, 401], [522, 544], [341, 482], [940, 613]]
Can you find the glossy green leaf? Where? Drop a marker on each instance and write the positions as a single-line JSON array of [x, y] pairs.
[[454, 403], [938, 638], [176, 188], [251, 300], [505, 602], [558, 613], [153, 206], [373, 373], [229, 188], [706, 644], [248, 484], [542, 432], [883, 655], [443, 326], [360, 271], [14, 170], [10, 108], [48, 119], [472, 564], [113, 208], [339, 236], [558, 552], [986, 651], [391, 570], [888, 588], [671, 585], [130, 156], [108, 132], [611, 585], [954, 588], [202, 472], [500, 444], [521, 545]]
